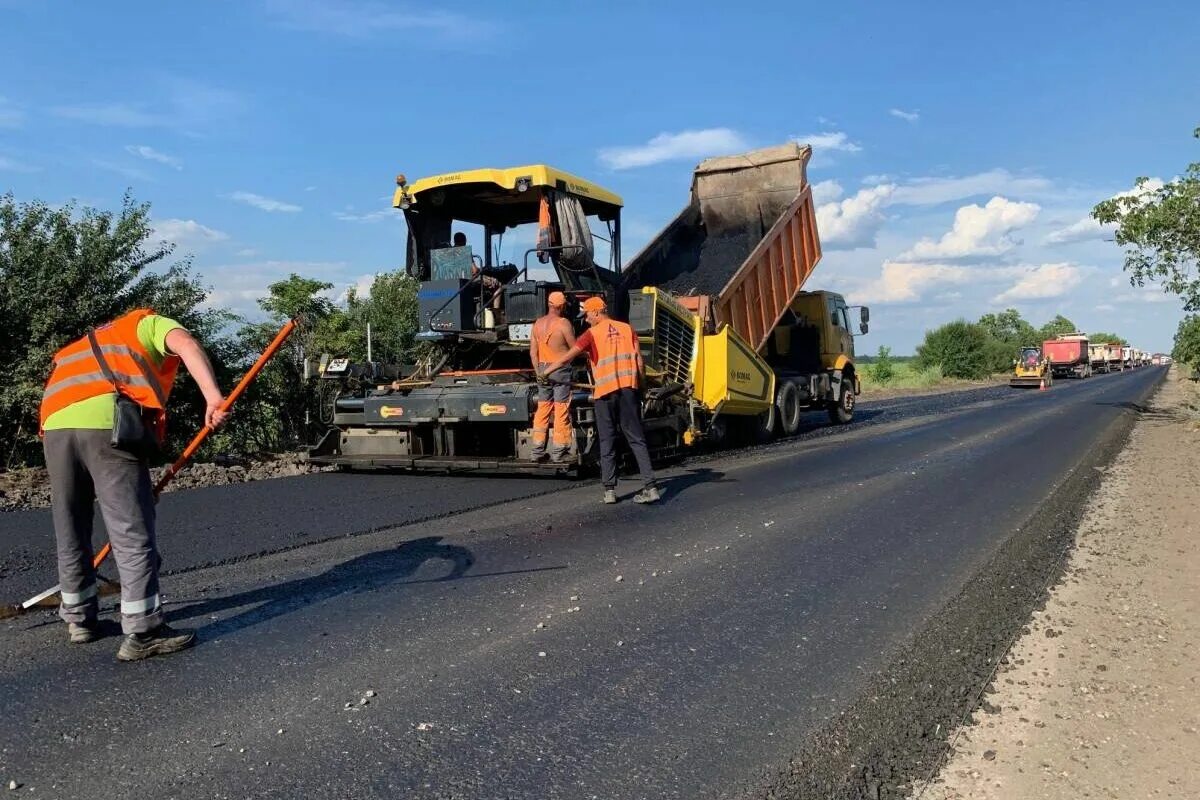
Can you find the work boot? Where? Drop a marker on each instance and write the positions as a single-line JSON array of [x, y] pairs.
[[648, 495], [559, 456], [610, 496], [83, 632], [537, 457], [159, 642]]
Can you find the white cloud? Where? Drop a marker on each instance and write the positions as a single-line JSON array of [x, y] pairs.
[[362, 286], [150, 154], [369, 217], [10, 115], [907, 116], [310, 188], [829, 140], [827, 192], [187, 234], [1079, 231], [264, 203], [674, 146], [180, 104], [933, 191], [9, 165], [365, 19], [242, 285], [977, 231], [132, 173], [121, 115], [1106, 307], [905, 282], [246, 252], [853, 222], [1042, 282], [1087, 228]]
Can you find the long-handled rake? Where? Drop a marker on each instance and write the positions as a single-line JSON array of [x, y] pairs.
[[50, 597]]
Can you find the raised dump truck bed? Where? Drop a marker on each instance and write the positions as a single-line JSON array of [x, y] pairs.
[[738, 256], [747, 239]]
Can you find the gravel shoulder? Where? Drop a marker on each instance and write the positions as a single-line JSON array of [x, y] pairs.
[[1097, 698]]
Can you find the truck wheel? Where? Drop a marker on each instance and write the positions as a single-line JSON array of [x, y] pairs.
[[787, 407], [842, 412]]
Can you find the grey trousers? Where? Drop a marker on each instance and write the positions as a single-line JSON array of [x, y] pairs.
[[84, 468]]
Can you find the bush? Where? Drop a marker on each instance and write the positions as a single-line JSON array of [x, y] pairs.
[[1187, 341], [962, 349], [882, 369]]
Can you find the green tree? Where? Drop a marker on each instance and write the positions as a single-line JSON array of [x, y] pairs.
[[1160, 231], [883, 370], [1106, 338], [1010, 328], [65, 270], [1056, 327], [1187, 341], [960, 348], [279, 409], [391, 308]]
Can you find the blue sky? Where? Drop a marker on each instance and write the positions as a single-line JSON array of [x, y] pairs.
[[958, 147]]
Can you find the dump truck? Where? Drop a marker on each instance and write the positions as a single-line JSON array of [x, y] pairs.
[[1098, 355], [1031, 370], [734, 348], [1068, 355], [1116, 357]]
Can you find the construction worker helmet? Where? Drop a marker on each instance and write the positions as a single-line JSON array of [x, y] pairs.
[[594, 304]]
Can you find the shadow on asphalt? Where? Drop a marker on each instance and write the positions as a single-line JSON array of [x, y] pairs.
[[365, 573], [1150, 412], [678, 484]]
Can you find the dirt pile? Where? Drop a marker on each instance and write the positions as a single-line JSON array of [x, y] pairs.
[[30, 488]]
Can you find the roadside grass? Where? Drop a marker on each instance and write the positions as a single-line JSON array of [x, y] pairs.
[[905, 375]]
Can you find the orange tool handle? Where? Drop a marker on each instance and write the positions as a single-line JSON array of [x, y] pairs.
[[199, 438]]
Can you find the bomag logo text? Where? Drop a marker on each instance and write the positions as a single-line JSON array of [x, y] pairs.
[[387, 412], [488, 409], [737, 376]]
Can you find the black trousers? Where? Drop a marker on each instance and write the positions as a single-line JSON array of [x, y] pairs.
[[621, 411]]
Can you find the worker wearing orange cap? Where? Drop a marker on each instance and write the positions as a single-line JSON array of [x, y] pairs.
[[617, 366], [552, 337]]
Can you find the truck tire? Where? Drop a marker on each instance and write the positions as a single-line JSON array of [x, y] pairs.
[[787, 408], [842, 411]]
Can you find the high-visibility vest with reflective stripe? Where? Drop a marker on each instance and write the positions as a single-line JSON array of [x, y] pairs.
[[616, 357], [77, 375]]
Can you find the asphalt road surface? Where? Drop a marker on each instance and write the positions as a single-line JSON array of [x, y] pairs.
[[792, 619]]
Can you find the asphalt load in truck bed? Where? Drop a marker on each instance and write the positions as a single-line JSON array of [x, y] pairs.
[[717, 259], [221, 524]]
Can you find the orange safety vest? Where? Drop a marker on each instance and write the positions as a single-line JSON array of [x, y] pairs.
[[616, 358], [77, 375]]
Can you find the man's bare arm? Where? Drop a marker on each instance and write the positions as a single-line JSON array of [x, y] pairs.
[[184, 345], [567, 358]]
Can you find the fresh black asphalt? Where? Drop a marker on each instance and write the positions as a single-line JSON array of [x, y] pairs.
[[769, 628]]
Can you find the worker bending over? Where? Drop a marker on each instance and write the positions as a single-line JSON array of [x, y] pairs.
[[552, 338], [616, 362], [133, 358]]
